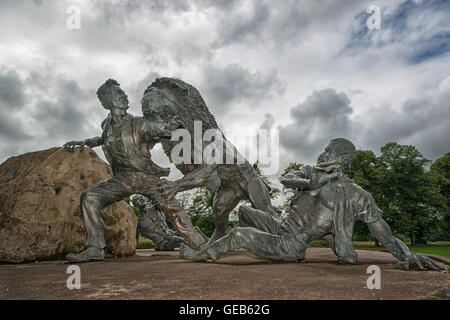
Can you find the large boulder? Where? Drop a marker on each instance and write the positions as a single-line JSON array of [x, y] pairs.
[[40, 216]]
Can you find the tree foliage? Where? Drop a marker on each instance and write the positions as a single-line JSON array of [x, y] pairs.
[[411, 199], [365, 170], [440, 168], [288, 193]]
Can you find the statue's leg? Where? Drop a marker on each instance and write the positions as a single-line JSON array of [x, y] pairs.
[[170, 244], [261, 244], [224, 201], [329, 238], [92, 202], [250, 217], [202, 176], [151, 187], [259, 196]]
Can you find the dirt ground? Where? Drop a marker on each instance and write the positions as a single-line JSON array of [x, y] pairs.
[[240, 275]]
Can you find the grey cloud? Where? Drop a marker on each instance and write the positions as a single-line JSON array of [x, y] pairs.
[[66, 115], [137, 89], [56, 110], [268, 122], [417, 31], [12, 99], [123, 12], [12, 91], [268, 22], [325, 114], [422, 122], [7, 151], [239, 27], [224, 86], [134, 27], [12, 128], [322, 116]]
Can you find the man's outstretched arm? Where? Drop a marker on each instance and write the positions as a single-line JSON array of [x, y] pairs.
[[91, 143], [293, 181], [381, 230]]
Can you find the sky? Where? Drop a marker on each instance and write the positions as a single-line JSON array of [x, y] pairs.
[[311, 70]]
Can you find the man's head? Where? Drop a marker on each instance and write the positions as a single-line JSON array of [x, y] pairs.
[[341, 150], [138, 201], [112, 97]]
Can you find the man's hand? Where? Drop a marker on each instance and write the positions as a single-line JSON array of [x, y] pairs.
[[422, 262], [91, 143], [327, 167], [70, 146]]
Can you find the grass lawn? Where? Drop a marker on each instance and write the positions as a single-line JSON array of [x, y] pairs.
[[144, 243], [440, 248]]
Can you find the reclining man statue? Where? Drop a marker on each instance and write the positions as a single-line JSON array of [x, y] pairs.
[[326, 203], [152, 224], [126, 142]]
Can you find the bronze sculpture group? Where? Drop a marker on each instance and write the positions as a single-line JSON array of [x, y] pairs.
[[326, 203]]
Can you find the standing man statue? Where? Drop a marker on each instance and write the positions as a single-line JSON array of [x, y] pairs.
[[126, 141], [326, 203], [152, 224]]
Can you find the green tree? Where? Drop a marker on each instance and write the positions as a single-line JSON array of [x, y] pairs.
[[288, 193], [365, 170], [440, 168], [410, 198], [135, 210]]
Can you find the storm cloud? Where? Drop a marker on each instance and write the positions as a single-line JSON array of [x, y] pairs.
[[326, 114], [322, 116], [310, 68], [224, 86], [12, 99]]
